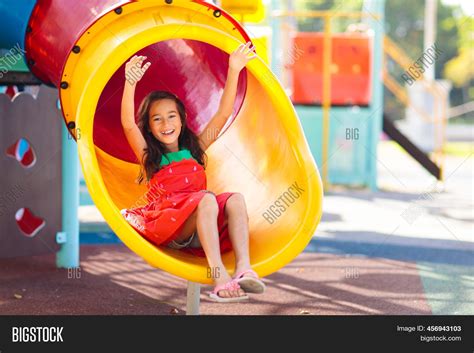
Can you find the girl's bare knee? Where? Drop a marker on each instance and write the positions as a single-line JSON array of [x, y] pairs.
[[236, 203], [236, 198], [208, 204]]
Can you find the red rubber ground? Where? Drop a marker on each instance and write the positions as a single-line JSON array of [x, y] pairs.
[[114, 281]]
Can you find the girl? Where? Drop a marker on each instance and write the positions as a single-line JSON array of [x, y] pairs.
[[181, 213]]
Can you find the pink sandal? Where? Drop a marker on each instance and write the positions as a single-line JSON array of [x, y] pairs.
[[250, 284], [231, 286]]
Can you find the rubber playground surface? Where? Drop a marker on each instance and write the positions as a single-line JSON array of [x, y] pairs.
[[369, 256], [115, 281]]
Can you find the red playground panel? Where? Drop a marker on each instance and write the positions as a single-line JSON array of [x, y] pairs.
[[350, 69]]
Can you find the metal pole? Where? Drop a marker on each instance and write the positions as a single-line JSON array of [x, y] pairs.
[[276, 47], [68, 255], [430, 35], [193, 298], [376, 9], [327, 58]]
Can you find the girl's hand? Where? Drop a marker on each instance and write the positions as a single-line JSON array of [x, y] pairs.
[[134, 69], [241, 56]]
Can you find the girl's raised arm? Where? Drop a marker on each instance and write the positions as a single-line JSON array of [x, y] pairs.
[[134, 71], [237, 61]]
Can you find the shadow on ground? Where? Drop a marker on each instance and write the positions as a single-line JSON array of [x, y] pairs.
[[389, 246], [114, 281]]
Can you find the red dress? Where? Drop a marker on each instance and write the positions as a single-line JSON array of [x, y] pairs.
[[173, 194]]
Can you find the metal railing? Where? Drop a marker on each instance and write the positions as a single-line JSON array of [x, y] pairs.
[[439, 115]]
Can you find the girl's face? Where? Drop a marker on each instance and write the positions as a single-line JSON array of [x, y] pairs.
[[165, 123]]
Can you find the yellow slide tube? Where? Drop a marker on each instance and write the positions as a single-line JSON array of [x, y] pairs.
[[262, 155]]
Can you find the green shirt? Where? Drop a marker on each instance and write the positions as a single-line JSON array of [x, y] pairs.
[[175, 156]]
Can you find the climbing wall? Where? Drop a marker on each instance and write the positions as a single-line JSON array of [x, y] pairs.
[[30, 177]]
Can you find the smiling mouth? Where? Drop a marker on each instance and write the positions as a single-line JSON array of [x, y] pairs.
[[167, 132]]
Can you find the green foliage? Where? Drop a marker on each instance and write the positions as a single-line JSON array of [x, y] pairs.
[[316, 24], [460, 69], [405, 25]]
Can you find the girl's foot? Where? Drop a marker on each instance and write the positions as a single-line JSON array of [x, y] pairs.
[[249, 281], [228, 292]]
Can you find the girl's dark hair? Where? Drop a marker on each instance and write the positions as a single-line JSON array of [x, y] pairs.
[[155, 149]]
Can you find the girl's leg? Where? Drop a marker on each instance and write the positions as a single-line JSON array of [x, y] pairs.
[[205, 220], [238, 226], [188, 228]]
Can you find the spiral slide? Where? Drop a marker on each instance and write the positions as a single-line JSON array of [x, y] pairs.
[[81, 47]]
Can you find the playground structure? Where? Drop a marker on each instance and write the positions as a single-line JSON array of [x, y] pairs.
[[333, 123], [85, 62], [32, 174], [336, 85]]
